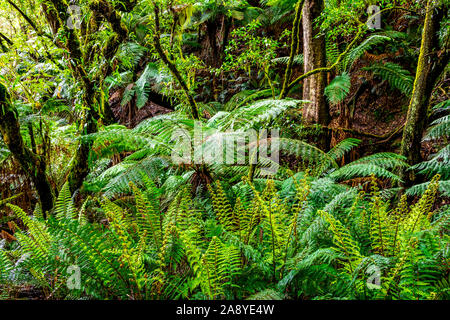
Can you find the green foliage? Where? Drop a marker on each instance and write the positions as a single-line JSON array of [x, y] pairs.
[[286, 236], [338, 89], [397, 77], [142, 86], [157, 217], [366, 45], [439, 162]]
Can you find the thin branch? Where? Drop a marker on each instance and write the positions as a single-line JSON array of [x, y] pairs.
[[28, 19], [330, 68], [6, 38], [294, 43], [172, 66]]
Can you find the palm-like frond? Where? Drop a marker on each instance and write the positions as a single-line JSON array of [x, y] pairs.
[[366, 45], [396, 76], [338, 89], [377, 164]]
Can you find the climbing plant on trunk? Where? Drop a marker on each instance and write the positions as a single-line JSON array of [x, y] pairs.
[[315, 112], [430, 66], [31, 162], [79, 53]]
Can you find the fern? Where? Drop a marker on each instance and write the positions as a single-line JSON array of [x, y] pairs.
[[378, 165], [64, 207], [338, 89], [366, 45], [298, 60], [345, 244], [397, 77]]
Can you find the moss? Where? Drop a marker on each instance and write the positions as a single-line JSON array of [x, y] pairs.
[[417, 111], [31, 163]]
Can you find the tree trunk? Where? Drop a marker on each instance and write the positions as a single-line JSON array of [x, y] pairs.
[[72, 44], [295, 39], [430, 66], [51, 16], [32, 164], [314, 53]]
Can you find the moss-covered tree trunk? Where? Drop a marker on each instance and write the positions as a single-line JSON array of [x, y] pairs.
[[172, 67], [32, 164], [80, 56], [430, 66], [295, 39], [314, 54]]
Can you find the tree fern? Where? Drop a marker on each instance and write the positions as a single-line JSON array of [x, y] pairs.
[[377, 164]]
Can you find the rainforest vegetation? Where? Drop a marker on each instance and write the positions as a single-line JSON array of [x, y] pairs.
[[116, 117]]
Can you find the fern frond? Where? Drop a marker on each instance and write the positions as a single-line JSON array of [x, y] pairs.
[[338, 89], [345, 244], [64, 207], [366, 45], [396, 76]]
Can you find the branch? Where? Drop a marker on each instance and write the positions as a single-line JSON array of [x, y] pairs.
[[341, 56], [330, 68], [28, 19], [6, 38], [32, 164], [172, 66], [295, 38]]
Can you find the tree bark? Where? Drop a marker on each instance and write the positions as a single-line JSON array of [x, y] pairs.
[[51, 17], [316, 112], [430, 66], [32, 164], [79, 168], [295, 39]]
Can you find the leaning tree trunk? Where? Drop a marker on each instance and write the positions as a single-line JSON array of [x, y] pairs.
[[32, 164], [314, 54], [429, 68], [76, 52]]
